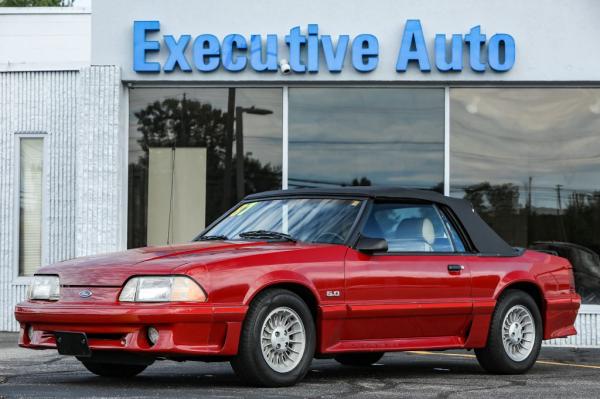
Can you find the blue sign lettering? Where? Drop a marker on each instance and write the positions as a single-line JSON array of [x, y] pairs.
[[494, 55], [206, 53], [413, 47], [141, 46], [334, 58], [177, 53], [475, 40], [230, 61], [235, 53], [365, 49], [256, 50], [456, 54]]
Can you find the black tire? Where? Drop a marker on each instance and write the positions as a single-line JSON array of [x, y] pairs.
[[493, 358], [359, 359], [114, 370], [249, 364]]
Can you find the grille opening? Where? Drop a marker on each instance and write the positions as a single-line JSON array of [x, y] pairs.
[[108, 337]]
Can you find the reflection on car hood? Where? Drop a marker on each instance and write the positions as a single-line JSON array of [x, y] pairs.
[[114, 268]]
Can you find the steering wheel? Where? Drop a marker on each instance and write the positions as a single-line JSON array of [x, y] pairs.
[[337, 237]]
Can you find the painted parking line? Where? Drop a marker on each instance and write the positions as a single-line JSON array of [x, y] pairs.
[[583, 366]]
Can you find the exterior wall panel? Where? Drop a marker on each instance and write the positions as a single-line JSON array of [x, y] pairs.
[[98, 187], [566, 53], [40, 103], [51, 39], [78, 115]]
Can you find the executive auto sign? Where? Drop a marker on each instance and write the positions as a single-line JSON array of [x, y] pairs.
[[235, 52]]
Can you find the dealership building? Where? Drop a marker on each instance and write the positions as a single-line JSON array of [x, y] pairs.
[[139, 122]]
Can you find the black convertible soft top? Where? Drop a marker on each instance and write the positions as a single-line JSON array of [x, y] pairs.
[[485, 239]]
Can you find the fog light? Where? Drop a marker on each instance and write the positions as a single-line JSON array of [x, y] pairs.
[[152, 335], [30, 333]]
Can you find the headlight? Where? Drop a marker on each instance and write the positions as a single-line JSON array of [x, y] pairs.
[[162, 289], [44, 288]]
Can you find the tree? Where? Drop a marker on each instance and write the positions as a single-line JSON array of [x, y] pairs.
[[363, 181], [181, 122], [36, 3]]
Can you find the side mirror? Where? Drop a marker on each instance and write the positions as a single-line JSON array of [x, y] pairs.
[[369, 245]]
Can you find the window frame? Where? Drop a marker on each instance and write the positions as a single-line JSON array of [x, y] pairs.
[[439, 209], [18, 278], [353, 229]]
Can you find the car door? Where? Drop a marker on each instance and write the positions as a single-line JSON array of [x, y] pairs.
[[420, 287]]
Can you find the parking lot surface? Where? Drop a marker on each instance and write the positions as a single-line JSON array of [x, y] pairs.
[[560, 373]]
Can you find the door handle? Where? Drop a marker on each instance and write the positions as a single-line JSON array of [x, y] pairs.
[[456, 268]]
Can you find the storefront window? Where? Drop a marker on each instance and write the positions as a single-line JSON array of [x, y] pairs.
[[529, 161], [184, 163], [31, 167], [366, 136]]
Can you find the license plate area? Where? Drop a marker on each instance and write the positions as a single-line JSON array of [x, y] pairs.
[[72, 344]]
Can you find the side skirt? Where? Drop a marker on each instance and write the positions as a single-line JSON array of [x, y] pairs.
[[394, 345]]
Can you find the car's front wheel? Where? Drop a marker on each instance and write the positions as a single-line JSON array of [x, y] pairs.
[[515, 335], [277, 342], [113, 370]]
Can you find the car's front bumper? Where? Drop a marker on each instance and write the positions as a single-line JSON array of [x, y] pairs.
[[184, 329]]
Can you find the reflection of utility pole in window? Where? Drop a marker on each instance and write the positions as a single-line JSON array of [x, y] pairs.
[[561, 225], [239, 145], [173, 148], [529, 212], [228, 150]]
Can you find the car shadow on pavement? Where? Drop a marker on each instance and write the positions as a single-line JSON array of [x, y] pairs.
[[321, 372]]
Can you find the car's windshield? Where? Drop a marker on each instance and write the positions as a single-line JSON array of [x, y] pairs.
[[317, 220]]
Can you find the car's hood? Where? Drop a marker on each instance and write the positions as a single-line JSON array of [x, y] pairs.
[[114, 268]]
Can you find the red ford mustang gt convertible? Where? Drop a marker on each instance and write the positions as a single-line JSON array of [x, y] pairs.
[[287, 276]]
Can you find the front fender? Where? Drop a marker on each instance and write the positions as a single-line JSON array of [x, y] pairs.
[[279, 277]]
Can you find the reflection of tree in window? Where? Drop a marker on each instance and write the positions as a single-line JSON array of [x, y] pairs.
[[570, 230], [175, 122]]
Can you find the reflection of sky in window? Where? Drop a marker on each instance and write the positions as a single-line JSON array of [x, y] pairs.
[[390, 136], [262, 133], [507, 135]]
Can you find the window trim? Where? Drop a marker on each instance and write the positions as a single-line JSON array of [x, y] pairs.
[[19, 279], [469, 249], [354, 229]]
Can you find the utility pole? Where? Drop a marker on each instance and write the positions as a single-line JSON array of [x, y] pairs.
[[239, 152], [228, 149], [529, 212], [561, 225], [558, 199]]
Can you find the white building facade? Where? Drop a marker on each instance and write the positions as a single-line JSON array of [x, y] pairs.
[[121, 125]]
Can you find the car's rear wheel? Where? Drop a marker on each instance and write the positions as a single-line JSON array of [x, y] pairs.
[[359, 359], [515, 335], [277, 342], [114, 370]]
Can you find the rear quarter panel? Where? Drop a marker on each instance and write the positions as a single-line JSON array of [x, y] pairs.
[[491, 276]]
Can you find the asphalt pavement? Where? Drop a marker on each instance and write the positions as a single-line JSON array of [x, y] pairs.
[[560, 373]]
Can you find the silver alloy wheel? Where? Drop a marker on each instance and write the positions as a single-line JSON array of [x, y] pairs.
[[283, 339], [518, 333]]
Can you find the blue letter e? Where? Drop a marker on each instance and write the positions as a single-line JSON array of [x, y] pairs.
[[141, 46]]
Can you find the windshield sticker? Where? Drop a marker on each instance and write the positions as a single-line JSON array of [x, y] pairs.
[[242, 209], [355, 203]]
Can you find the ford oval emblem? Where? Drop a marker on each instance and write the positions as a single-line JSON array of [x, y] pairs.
[[85, 293]]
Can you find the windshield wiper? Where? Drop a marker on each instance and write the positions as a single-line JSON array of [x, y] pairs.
[[212, 238], [267, 234]]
